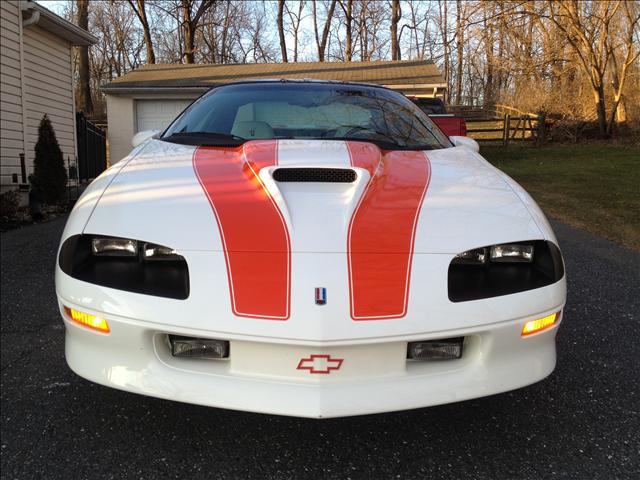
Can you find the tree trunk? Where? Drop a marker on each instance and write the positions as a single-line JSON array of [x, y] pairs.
[[140, 11], [85, 103], [598, 96], [148, 41], [396, 14], [445, 42], [321, 43], [348, 15], [618, 109], [459, 50], [362, 32], [489, 60], [295, 19], [500, 77], [283, 43], [189, 44], [225, 32], [188, 32]]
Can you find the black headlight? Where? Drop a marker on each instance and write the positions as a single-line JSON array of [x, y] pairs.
[[504, 269], [126, 264]]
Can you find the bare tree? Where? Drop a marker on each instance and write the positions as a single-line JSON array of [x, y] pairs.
[[459, 49], [370, 19], [138, 7], [396, 15], [283, 42], [572, 58], [295, 17], [192, 12], [321, 42], [347, 8], [587, 27], [444, 31], [623, 56], [489, 43], [263, 50], [84, 86]]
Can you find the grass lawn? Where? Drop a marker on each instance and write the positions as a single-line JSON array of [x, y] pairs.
[[595, 186]]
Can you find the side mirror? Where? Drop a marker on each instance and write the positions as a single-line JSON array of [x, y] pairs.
[[143, 136], [467, 142]]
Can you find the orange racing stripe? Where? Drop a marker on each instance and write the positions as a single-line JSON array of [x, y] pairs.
[[253, 231], [382, 230]]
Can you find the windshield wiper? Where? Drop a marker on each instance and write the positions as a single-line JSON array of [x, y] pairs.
[[387, 142], [205, 139], [362, 128]]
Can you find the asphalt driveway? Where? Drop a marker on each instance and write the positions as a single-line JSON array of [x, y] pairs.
[[582, 422]]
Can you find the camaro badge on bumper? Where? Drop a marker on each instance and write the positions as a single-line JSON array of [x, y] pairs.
[[321, 296]]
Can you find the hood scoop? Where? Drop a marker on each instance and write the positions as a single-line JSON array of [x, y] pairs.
[[318, 175]]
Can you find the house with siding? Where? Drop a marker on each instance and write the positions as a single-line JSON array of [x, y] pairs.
[[36, 77], [150, 97]]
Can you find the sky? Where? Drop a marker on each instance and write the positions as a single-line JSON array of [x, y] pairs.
[[56, 6]]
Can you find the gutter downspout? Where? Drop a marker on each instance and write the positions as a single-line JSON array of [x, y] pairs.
[[35, 15]]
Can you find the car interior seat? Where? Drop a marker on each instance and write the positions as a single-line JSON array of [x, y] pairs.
[[252, 130]]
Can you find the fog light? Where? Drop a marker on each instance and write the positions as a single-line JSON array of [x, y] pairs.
[[535, 326], [87, 320], [443, 349], [198, 347]]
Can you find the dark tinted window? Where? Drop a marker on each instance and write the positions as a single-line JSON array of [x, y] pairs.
[[431, 106]]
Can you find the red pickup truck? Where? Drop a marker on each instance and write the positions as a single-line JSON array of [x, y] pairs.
[[450, 124]]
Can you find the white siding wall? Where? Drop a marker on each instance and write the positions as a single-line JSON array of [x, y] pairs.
[[121, 120], [48, 89], [11, 132]]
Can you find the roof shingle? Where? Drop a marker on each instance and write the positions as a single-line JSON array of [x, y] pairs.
[[401, 72]]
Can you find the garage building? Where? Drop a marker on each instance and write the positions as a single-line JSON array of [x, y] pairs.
[[150, 97]]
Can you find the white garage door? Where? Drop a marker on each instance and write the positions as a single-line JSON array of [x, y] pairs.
[[157, 114]]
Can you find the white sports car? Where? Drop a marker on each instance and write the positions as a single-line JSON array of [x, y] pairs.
[[315, 249]]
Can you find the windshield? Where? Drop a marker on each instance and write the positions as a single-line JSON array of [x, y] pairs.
[[279, 110]]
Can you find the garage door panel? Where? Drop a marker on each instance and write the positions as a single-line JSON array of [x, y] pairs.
[[157, 114]]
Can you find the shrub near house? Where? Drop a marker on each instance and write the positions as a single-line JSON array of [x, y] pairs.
[[49, 177]]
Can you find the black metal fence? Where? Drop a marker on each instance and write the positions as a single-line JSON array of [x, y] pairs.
[[92, 149], [9, 173]]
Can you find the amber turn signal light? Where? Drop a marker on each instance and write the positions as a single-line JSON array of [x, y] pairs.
[[87, 320], [535, 326]]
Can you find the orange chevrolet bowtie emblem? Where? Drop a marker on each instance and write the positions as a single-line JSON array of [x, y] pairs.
[[320, 364]]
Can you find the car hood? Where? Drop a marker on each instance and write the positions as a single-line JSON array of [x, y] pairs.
[[214, 199]]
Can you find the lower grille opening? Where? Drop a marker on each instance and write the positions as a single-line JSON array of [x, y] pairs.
[[320, 175]]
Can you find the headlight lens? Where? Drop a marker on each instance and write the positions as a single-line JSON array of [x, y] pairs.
[[114, 247], [503, 269], [126, 264], [508, 252], [477, 256], [154, 252], [512, 252]]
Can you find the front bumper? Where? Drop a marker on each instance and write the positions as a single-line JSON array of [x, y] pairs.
[[262, 376]]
